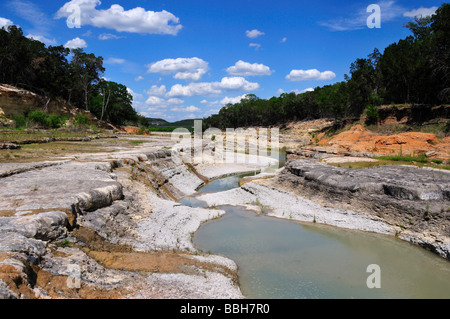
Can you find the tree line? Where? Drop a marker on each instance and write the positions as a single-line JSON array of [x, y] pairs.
[[415, 70], [56, 72]]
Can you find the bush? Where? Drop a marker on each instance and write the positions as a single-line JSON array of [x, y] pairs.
[[55, 121], [82, 119], [20, 121], [38, 117], [372, 114]]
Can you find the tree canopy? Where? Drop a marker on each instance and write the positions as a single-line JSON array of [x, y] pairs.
[[415, 70], [56, 72]]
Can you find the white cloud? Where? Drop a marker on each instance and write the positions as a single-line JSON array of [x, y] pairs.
[[76, 44], [115, 61], [188, 109], [232, 100], [163, 103], [175, 101], [313, 74], [193, 89], [157, 90], [139, 78], [253, 34], [189, 69], [237, 83], [421, 12], [108, 36], [247, 69], [155, 100], [303, 91], [210, 103], [5, 23], [255, 45], [283, 40], [136, 20], [208, 88], [136, 96], [42, 39]]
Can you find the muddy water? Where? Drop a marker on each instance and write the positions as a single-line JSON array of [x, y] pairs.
[[285, 259]]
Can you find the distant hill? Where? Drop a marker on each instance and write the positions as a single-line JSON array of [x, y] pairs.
[[155, 122]]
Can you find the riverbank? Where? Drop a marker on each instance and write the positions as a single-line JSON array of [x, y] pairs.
[[107, 224]]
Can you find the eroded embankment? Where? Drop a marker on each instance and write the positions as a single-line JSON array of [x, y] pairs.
[[408, 202], [106, 230], [113, 228], [414, 201]]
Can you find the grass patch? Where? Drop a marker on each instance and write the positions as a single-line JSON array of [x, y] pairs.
[[136, 143], [383, 162], [421, 158], [19, 136]]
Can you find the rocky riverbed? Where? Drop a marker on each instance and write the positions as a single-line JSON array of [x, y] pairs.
[[108, 224]]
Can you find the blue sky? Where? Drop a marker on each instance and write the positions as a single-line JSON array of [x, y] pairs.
[[187, 58]]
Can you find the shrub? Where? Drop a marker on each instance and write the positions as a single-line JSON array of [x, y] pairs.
[[38, 117], [372, 114], [20, 121], [55, 121], [82, 119]]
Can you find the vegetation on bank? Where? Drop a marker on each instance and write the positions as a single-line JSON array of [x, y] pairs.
[[55, 72], [39, 118], [412, 71]]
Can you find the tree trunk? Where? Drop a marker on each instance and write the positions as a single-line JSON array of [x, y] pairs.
[[86, 98]]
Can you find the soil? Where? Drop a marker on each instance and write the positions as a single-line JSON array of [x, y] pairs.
[[359, 139]]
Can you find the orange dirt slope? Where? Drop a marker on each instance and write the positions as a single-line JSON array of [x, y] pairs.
[[359, 139]]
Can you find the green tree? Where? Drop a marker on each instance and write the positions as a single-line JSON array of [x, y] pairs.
[[86, 71]]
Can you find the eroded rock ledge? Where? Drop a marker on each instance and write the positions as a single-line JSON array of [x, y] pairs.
[[106, 229], [414, 200]]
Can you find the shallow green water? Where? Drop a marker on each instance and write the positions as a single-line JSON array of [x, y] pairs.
[[282, 259]]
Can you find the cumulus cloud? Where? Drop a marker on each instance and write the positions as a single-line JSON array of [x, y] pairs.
[[76, 43], [5, 23], [253, 34], [193, 89], [136, 96], [155, 100], [208, 88], [42, 39], [137, 20], [310, 75], [232, 100], [157, 90], [189, 69], [188, 109], [139, 78], [163, 103], [248, 69], [237, 83], [255, 45], [421, 12]]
